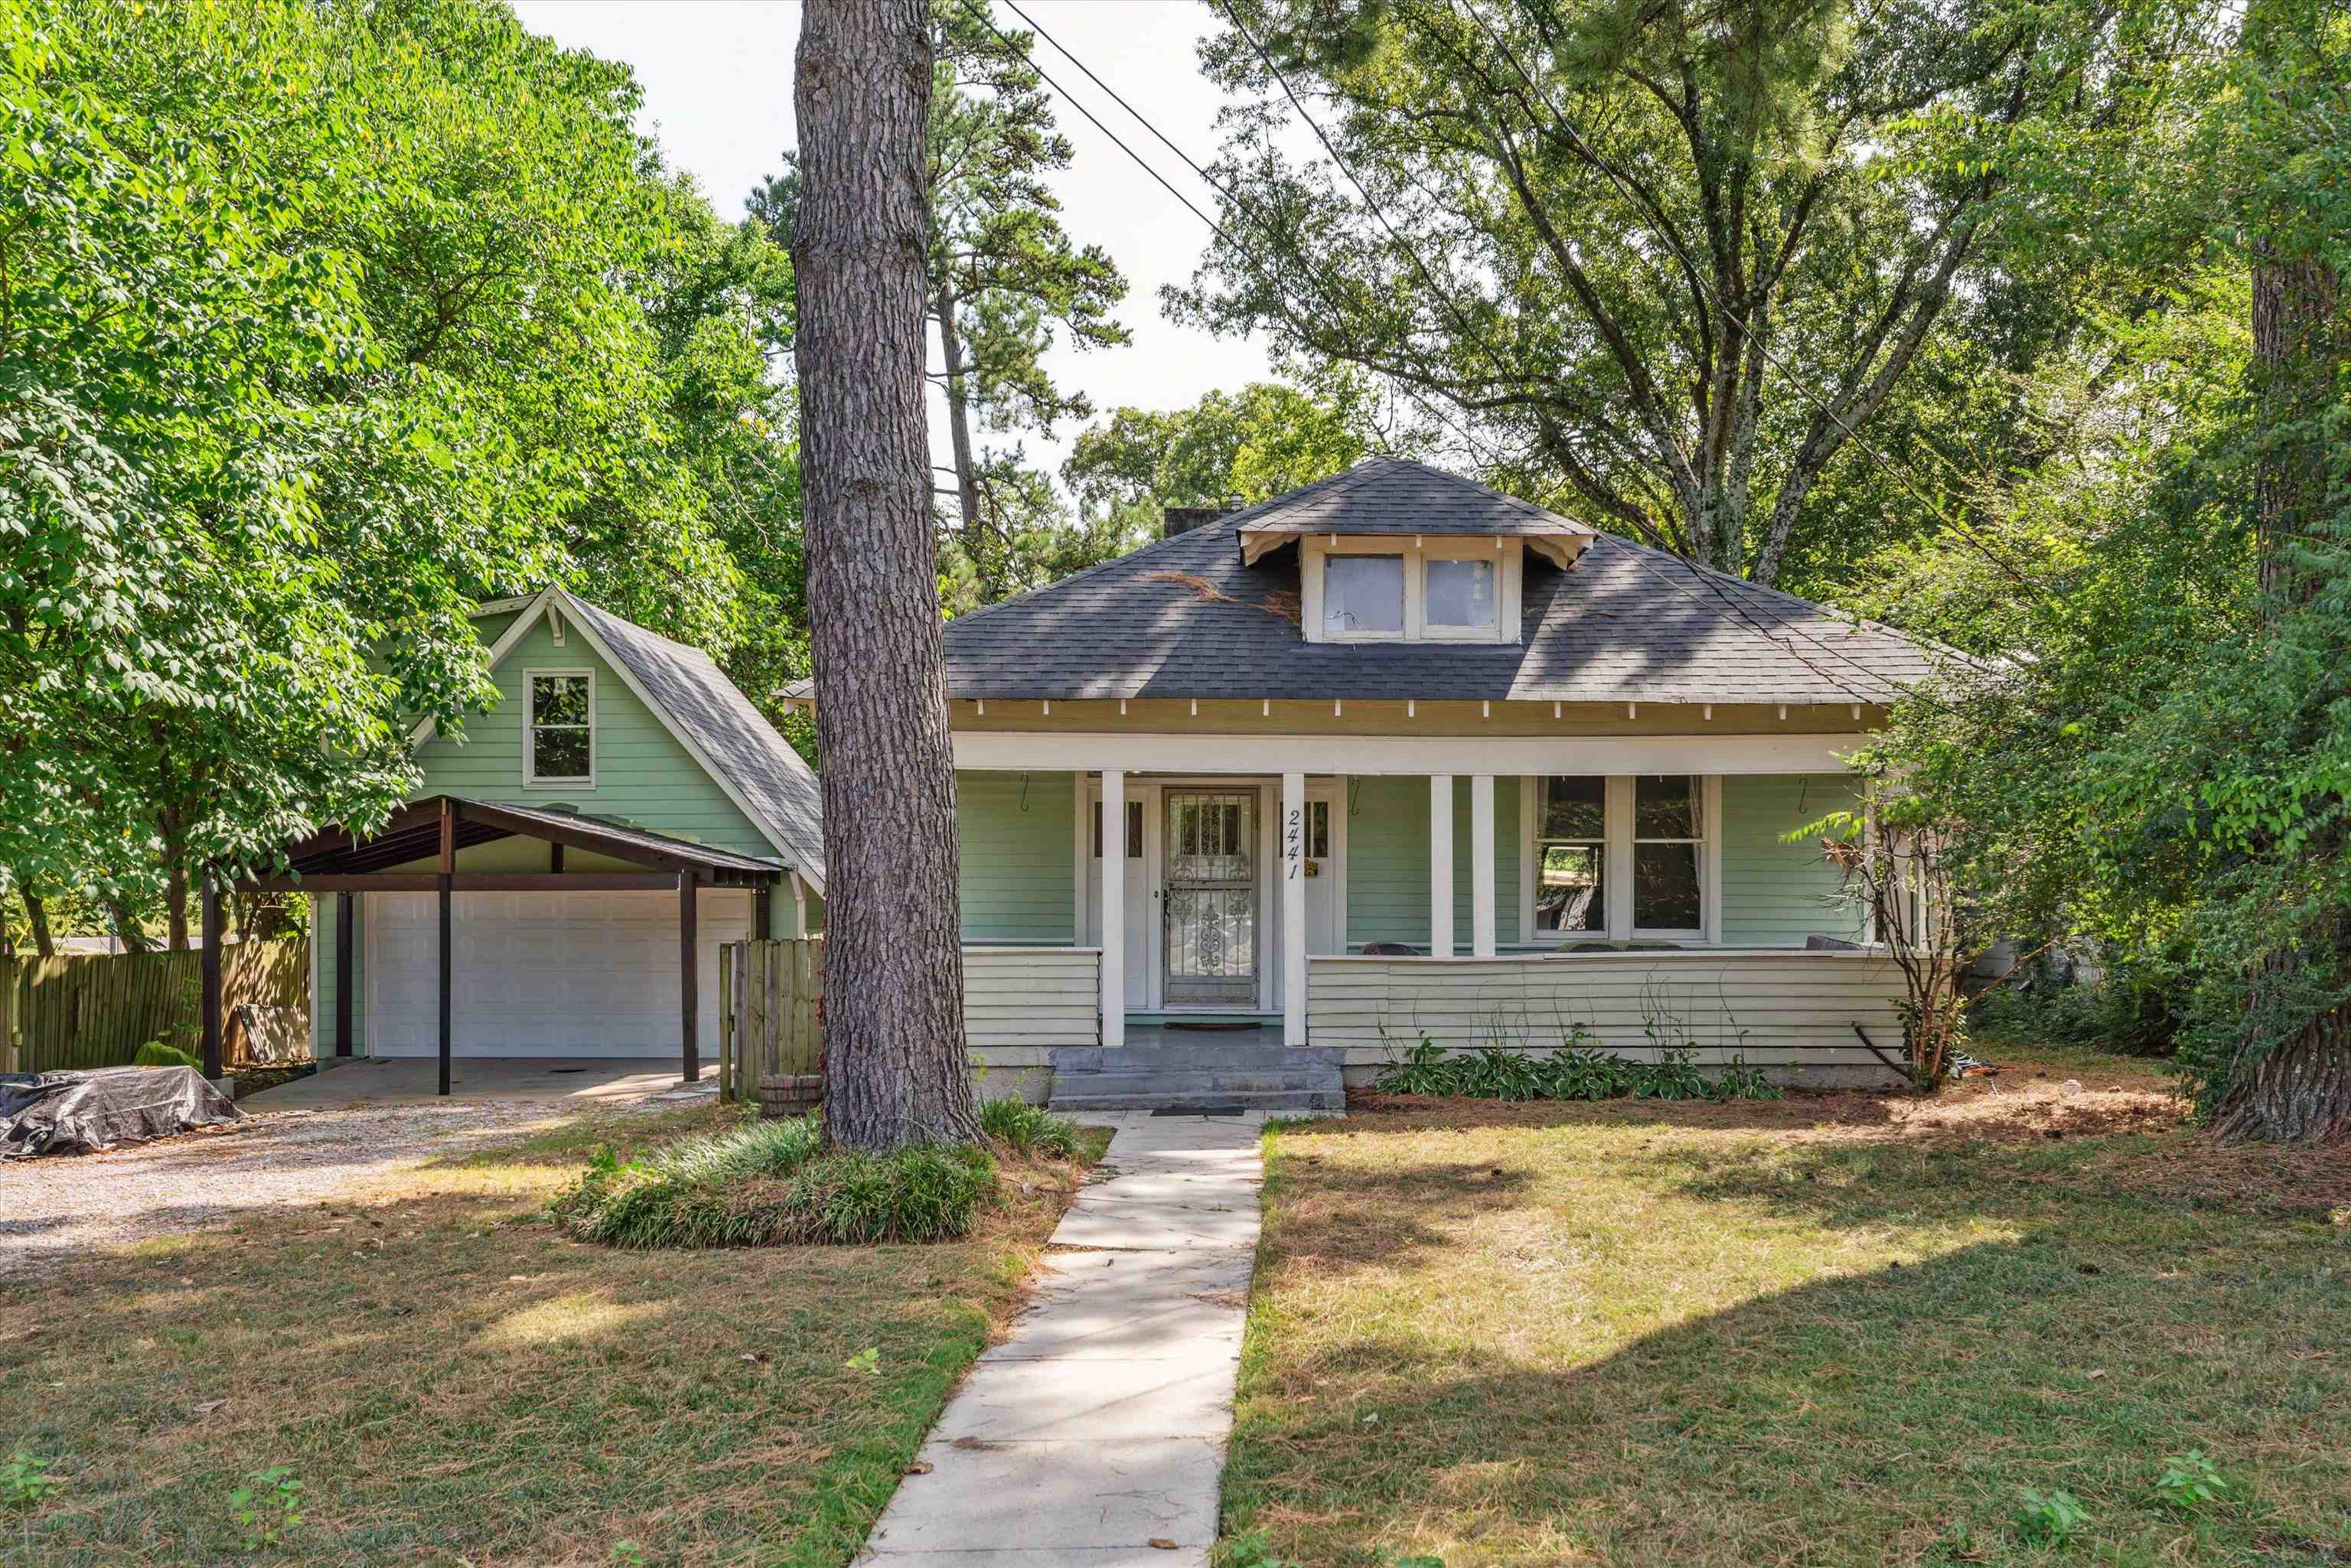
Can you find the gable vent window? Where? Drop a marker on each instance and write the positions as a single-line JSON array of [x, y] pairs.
[[563, 745]]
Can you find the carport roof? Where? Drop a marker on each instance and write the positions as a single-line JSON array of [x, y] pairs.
[[414, 833]]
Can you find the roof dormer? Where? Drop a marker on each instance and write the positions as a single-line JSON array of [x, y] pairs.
[[1391, 564]]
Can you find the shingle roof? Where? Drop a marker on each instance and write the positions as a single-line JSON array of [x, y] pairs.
[[1390, 495], [1183, 617], [742, 745]]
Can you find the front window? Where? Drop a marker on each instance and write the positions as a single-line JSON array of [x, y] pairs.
[[1459, 595], [1363, 596], [1571, 846], [563, 729], [1666, 835]]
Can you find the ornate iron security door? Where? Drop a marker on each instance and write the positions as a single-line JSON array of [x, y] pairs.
[[1210, 880]]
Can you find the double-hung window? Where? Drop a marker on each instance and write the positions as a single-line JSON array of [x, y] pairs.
[[1619, 858], [1572, 856], [561, 747], [1669, 841]]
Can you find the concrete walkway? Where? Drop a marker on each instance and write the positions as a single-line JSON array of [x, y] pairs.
[[1092, 1437], [577, 1080]]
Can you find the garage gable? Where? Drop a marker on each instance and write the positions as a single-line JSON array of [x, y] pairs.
[[640, 772]]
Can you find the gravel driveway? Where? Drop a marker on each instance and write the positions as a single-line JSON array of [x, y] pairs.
[[55, 1207]]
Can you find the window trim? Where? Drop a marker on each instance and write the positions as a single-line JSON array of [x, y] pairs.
[[1617, 847], [1507, 553], [530, 774]]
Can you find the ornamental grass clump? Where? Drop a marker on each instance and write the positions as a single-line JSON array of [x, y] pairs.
[[1027, 1129], [773, 1184]]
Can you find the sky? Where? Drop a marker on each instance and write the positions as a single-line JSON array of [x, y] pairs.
[[718, 79]]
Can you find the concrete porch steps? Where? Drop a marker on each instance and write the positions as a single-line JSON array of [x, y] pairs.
[[1257, 1074]]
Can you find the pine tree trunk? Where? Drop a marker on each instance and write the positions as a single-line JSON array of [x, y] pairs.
[[896, 1070], [974, 528]]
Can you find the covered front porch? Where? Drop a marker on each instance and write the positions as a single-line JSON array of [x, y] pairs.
[[1630, 893]]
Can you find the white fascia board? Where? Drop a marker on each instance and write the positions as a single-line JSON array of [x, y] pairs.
[[533, 608], [984, 750], [500, 606]]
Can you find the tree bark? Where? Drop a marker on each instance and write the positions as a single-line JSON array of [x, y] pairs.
[[896, 1070], [37, 914], [2297, 1089]]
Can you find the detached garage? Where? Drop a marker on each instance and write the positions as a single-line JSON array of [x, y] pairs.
[[588, 845]]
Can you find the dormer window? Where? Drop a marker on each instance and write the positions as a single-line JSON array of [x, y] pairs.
[[1384, 588], [1363, 596], [1458, 598]]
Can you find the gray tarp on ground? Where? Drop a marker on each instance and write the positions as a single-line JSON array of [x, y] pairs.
[[81, 1112]]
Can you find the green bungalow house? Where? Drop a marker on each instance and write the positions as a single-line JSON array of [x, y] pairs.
[[1395, 756], [621, 807]]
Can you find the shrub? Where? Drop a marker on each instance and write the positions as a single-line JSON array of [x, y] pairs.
[[1673, 1076], [155, 1054], [1573, 1073], [773, 1183], [1028, 1129]]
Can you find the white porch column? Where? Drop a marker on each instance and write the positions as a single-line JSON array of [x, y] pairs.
[[1481, 865], [1294, 909], [1440, 865], [1113, 907]]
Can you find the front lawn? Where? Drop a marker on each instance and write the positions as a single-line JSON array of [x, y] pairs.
[[451, 1381], [1851, 1329]]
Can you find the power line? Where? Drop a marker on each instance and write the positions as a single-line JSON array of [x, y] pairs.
[[1738, 616]]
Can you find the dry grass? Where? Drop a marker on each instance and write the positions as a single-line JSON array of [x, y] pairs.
[[453, 1382], [1839, 1329]]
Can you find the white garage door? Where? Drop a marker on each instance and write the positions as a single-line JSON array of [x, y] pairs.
[[541, 974]]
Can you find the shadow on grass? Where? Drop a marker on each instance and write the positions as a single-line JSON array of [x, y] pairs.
[[451, 1380], [1856, 1420]]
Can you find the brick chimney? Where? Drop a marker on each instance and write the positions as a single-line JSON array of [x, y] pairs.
[[1184, 519]]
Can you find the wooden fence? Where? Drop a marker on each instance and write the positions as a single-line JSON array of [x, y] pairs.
[[96, 1009], [769, 1023]]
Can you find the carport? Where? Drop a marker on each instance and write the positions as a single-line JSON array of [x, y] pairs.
[[435, 828]]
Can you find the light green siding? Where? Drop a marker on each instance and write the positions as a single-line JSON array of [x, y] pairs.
[[322, 960], [642, 773], [1019, 837], [1774, 894], [1387, 861]]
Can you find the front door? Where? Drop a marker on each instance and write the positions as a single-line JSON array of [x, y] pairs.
[[1210, 883]]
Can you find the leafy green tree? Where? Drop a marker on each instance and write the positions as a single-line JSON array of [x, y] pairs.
[[1676, 258], [322, 323], [1244, 446], [1005, 281], [2160, 761]]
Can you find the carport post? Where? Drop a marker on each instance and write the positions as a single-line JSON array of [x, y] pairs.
[[448, 875], [446, 901], [344, 925], [691, 1067], [209, 968]]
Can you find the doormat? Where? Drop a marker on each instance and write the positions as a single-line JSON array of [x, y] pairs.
[[567, 1069], [1213, 1026], [1218, 1110]]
